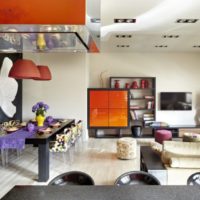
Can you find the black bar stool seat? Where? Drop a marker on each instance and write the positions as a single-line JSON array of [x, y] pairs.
[[137, 178], [72, 178]]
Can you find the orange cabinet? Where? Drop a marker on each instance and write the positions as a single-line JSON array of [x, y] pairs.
[[118, 99], [118, 117], [108, 108], [99, 117], [98, 99]]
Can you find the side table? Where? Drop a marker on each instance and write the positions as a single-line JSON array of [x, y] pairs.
[[151, 163]]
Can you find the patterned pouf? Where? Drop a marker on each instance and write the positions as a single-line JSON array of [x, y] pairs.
[[191, 137], [162, 135], [126, 148]]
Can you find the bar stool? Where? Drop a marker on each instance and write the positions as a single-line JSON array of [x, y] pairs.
[[194, 179], [72, 178], [136, 178]]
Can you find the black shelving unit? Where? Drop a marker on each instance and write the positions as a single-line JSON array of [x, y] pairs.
[[142, 94]]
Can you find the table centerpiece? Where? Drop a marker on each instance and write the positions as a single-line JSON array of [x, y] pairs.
[[40, 109]]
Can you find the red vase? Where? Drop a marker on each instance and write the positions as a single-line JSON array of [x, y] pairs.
[[117, 85], [127, 85], [142, 84], [146, 84], [134, 85]]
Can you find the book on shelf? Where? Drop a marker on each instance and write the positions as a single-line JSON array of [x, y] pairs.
[[148, 118], [159, 124], [148, 123], [133, 115], [149, 97], [148, 115], [150, 105], [135, 107]]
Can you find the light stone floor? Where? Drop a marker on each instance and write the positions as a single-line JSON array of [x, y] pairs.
[[97, 157]]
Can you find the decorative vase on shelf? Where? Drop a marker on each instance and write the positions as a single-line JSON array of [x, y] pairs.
[[40, 120], [134, 85], [117, 84]]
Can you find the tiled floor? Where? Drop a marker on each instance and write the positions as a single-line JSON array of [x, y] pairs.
[[97, 157]]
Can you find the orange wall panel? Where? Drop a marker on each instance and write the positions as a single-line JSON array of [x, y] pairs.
[[98, 117], [98, 99], [118, 99], [118, 117], [42, 12]]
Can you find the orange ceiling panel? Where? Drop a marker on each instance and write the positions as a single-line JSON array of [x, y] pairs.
[[42, 12]]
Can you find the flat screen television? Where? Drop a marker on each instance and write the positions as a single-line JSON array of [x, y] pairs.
[[175, 101]]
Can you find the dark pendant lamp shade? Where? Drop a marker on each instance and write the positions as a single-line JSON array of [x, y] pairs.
[[24, 69], [45, 74]]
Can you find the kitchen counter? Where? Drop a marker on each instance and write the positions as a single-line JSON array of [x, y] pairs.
[[103, 193]]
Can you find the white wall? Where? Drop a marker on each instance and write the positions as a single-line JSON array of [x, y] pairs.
[[173, 71], [66, 93]]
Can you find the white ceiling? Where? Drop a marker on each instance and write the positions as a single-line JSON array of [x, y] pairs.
[[154, 18]]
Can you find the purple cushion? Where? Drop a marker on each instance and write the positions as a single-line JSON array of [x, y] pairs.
[[162, 135]]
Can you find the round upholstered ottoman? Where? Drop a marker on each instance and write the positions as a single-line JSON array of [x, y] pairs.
[[126, 148], [162, 135]]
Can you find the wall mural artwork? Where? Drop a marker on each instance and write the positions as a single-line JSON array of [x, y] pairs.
[[10, 90]]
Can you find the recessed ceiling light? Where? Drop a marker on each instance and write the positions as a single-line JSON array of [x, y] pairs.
[[124, 20], [196, 46], [170, 36], [161, 46], [123, 46], [95, 20], [123, 36], [186, 20]]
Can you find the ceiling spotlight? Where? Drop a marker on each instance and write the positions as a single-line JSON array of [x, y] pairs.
[[161, 46], [123, 36], [186, 20], [123, 46], [124, 20], [170, 36]]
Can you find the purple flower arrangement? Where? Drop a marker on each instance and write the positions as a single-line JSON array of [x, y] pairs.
[[40, 108]]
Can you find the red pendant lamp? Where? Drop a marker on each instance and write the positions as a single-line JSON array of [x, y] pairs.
[[45, 74], [24, 69]]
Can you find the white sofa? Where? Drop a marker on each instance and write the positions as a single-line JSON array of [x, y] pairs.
[[181, 159]]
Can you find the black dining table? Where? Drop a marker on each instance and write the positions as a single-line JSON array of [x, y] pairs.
[[133, 192], [42, 141]]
